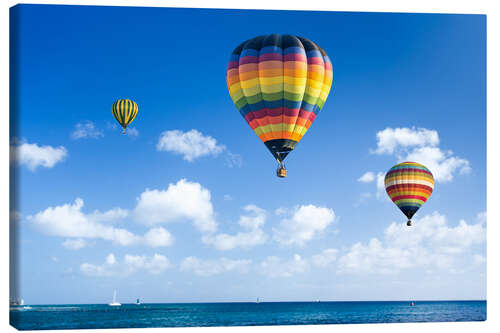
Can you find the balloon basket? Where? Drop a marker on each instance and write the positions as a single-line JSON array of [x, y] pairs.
[[281, 172], [409, 223]]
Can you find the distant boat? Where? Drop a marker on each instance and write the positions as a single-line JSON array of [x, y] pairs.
[[114, 303], [16, 302], [257, 301], [412, 304], [138, 302]]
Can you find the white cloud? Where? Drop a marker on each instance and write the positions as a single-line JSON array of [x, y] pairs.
[[111, 126], [128, 265], [74, 244], [191, 144], [132, 131], [303, 224], [442, 164], [154, 265], [253, 235], [481, 217], [111, 259], [390, 139], [363, 197], [94, 270], [433, 231], [157, 237], [184, 200], [86, 130], [111, 215], [325, 258], [33, 156], [233, 160], [381, 193], [213, 267], [421, 145], [479, 259], [373, 257], [274, 266], [367, 177], [69, 221], [430, 242]]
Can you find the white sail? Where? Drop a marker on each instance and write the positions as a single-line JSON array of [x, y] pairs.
[[114, 303]]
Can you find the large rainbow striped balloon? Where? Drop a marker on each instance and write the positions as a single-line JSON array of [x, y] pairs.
[[409, 185], [279, 83]]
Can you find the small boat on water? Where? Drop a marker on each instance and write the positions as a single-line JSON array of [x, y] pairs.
[[114, 303], [412, 304], [138, 302], [16, 302]]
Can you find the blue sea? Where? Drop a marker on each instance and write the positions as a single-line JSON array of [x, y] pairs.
[[41, 317]]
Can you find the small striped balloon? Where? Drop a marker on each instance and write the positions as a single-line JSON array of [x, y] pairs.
[[124, 111], [409, 185]]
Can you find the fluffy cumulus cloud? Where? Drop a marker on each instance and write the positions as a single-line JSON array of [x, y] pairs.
[[274, 266], [34, 156], [69, 221], [367, 177], [442, 164], [130, 264], [370, 177], [74, 244], [271, 266], [421, 145], [111, 215], [390, 140], [381, 186], [132, 131], [214, 266], [184, 200], [157, 237], [86, 130], [326, 258], [430, 243], [302, 224], [251, 236], [191, 145]]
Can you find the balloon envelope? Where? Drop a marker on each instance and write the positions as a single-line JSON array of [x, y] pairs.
[[409, 185], [279, 83], [124, 111]]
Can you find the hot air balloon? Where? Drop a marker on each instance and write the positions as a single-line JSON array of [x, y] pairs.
[[124, 111], [279, 83], [409, 185]]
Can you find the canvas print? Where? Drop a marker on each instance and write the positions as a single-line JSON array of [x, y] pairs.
[[176, 167]]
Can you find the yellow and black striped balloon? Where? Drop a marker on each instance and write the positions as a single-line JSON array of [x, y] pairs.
[[125, 111]]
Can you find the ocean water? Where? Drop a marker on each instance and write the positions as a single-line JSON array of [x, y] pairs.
[[40, 317]]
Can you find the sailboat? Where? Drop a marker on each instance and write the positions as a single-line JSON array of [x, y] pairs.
[[138, 302], [114, 303]]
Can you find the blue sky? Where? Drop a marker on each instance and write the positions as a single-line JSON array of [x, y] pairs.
[[187, 206]]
